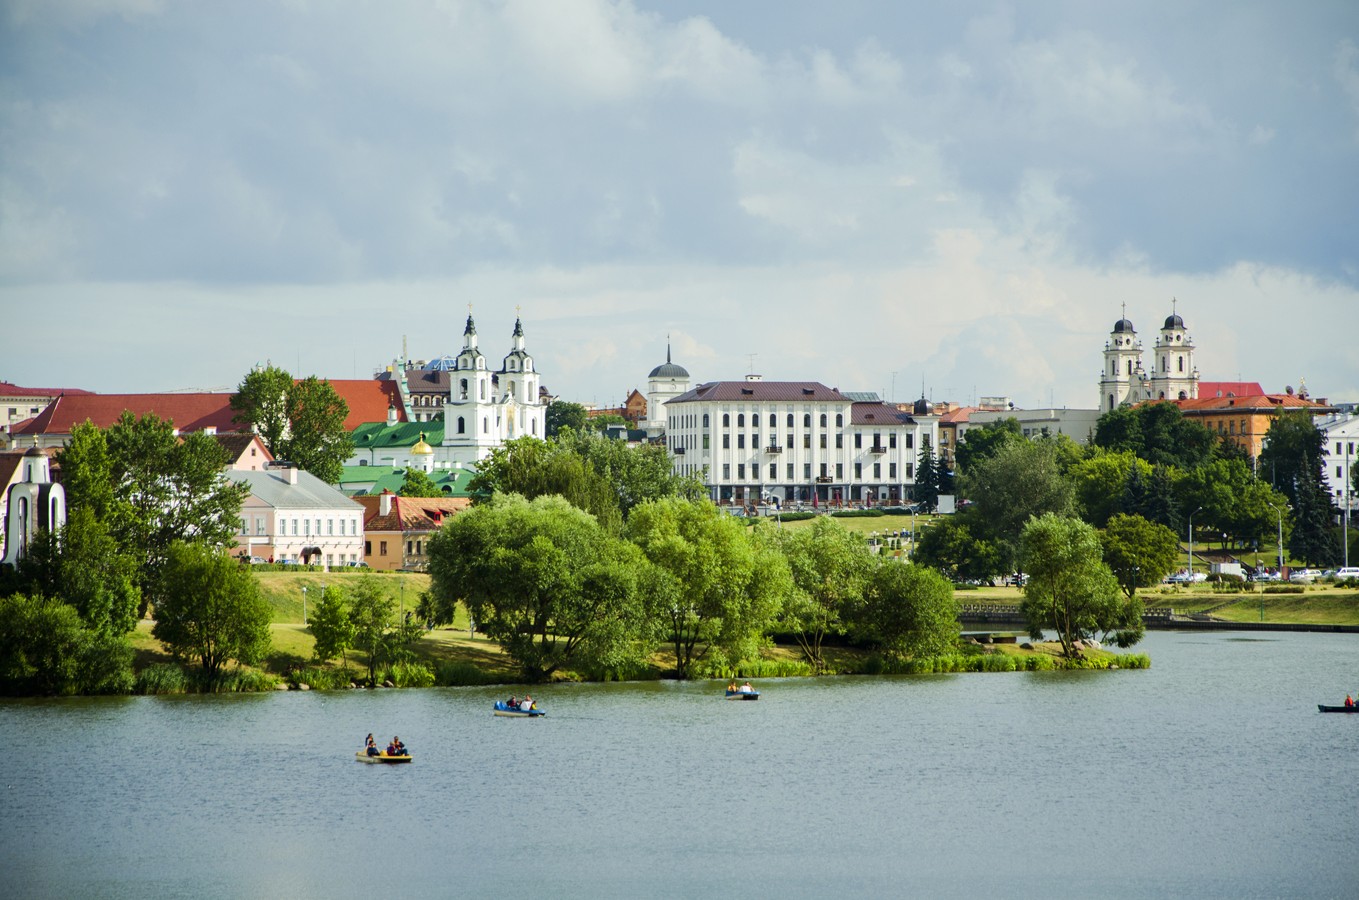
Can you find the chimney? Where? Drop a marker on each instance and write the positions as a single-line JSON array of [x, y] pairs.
[[385, 503], [292, 474]]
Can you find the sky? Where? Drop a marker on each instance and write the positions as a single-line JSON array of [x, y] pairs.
[[956, 200]]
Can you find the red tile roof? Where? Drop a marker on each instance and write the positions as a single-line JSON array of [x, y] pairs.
[[1255, 402], [410, 513], [369, 399], [13, 390], [1230, 389], [188, 412]]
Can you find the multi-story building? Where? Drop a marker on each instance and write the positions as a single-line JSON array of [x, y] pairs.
[[397, 529], [1125, 380], [794, 441], [1342, 446], [1245, 420], [293, 515]]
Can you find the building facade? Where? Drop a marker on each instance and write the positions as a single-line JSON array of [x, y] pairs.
[[666, 382], [29, 502], [293, 516], [756, 441], [397, 529], [1341, 432]]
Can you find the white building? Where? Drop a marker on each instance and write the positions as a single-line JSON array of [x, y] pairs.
[[793, 441], [293, 515], [29, 502], [666, 382], [1341, 440], [1125, 380]]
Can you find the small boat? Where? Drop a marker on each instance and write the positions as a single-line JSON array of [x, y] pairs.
[[514, 712], [1349, 709], [743, 695], [363, 757]]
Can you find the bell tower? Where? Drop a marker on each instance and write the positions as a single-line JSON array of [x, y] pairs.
[[1121, 380]]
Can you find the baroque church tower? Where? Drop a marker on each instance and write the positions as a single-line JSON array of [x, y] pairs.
[[484, 408], [666, 382], [1123, 378]]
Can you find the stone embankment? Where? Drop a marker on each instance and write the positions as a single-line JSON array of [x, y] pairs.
[[1154, 617]]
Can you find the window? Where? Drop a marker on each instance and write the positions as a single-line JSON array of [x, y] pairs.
[[773, 422], [839, 420], [892, 471], [726, 420], [242, 531], [755, 442], [259, 524], [773, 471], [790, 471], [807, 421], [806, 470], [705, 441], [824, 474], [839, 442], [839, 471], [462, 425], [823, 420], [382, 548], [858, 471], [306, 527], [790, 420], [330, 526], [409, 547], [705, 420], [367, 548], [858, 440], [892, 439], [741, 420], [806, 442], [910, 442], [726, 471], [789, 443], [877, 470], [823, 442], [740, 471], [726, 442], [740, 442]]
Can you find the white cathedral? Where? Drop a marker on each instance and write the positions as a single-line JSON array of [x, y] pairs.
[[1173, 376]]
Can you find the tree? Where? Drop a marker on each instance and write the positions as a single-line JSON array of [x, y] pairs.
[[720, 590], [636, 474], [1022, 479], [1070, 590], [562, 414], [151, 488], [417, 483], [210, 609], [830, 566], [1158, 433], [911, 610], [534, 468], [370, 617], [950, 548], [1138, 552], [331, 626], [45, 648], [84, 566], [977, 444], [1104, 482], [302, 421], [1313, 538], [927, 478], [544, 579]]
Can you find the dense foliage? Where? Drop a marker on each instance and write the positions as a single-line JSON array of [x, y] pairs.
[[210, 609], [302, 421]]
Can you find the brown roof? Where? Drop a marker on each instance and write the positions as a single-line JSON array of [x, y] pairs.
[[410, 513], [1255, 403], [878, 414], [13, 390], [960, 414], [369, 399], [188, 412], [767, 391], [9, 464]]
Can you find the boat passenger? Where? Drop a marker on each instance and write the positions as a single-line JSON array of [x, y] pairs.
[[513, 702], [747, 689], [1349, 701], [370, 746], [527, 703], [400, 747]]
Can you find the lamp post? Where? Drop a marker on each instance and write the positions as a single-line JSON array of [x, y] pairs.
[[304, 604], [1191, 545], [1280, 512]]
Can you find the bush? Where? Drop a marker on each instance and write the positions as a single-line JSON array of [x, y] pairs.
[[1284, 589], [46, 648], [241, 681], [858, 513], [319, 678], [409, 674], [161, 678], [464, 674]]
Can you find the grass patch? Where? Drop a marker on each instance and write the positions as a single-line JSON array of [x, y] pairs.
[[1313, 608]]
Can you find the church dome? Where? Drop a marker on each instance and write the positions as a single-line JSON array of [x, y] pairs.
[[921, 408], [1173, 321], [421, 448], [1123, 326], [669, 370]]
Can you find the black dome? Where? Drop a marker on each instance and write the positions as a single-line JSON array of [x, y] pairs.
[[921, 408], [669, 370], [1123, 326], [1173, 321]]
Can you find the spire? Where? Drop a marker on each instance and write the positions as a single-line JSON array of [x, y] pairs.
[[518, 327], [471, 326], [667, 348]]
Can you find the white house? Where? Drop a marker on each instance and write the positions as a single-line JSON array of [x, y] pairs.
[[293, 515], [1341, 440], [794, 441]]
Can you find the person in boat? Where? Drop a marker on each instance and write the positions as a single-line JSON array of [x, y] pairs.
[[400, 747], [1349, 701], [527, 703], [370, 746], [731, 688], [513, 702], [747, 689]]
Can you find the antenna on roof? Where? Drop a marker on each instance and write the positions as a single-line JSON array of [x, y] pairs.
[[751, 357]]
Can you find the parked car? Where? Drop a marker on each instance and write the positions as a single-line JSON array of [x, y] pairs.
[[1304, 576]]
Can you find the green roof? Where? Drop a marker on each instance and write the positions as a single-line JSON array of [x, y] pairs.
[[404, 434], [356, 480]]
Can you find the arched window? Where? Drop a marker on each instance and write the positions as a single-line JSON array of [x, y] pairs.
[[463, 389], [1181, 361], [839, 420], [807, 420], [482, 383], [705, 420], [726, 420], [485, 425], [773, 421], [823, 420], [741, 420], [462, 425]]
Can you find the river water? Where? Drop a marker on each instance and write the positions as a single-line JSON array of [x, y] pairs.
[[1209, 775]]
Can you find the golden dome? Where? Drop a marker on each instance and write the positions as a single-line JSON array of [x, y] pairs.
[[421, 448]]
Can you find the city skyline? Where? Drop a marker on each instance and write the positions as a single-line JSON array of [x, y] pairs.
[[886, 197]]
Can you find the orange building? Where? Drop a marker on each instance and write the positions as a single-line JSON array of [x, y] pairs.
[[396, 530], [1245, 420]]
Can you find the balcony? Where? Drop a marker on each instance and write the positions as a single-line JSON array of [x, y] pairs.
[[773, 448], [823, 479], [877, 449], [678, 451]]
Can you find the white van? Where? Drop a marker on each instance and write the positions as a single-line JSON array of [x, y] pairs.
[[1347, 572]]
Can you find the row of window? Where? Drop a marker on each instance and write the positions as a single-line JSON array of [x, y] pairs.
[[807, 471], [289, 527]]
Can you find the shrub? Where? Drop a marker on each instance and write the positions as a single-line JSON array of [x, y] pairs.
[[161, 678], [409, 674], [241, 681], [319, 678], [858, 513], [1284, 589], [757, 668], [464, 674]]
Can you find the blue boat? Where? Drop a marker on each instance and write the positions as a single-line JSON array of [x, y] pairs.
[[743, 695], [514, 712]]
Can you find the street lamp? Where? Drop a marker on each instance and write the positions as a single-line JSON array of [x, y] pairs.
[[1280, 512], [1191, 545], [304, 604]]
